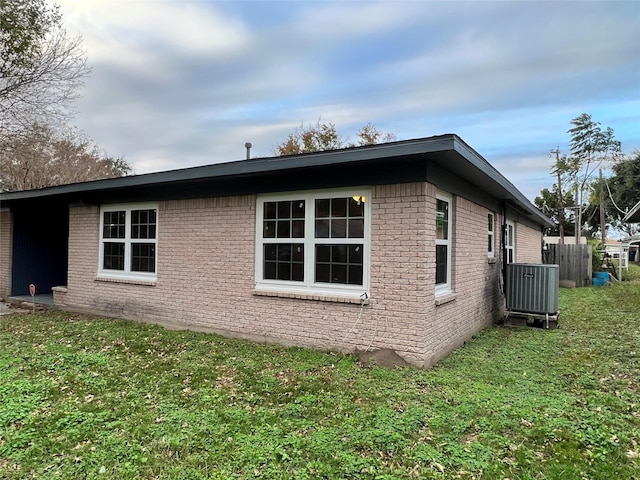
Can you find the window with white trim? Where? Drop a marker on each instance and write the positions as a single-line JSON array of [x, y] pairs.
[[314, 242], [443, 243], [490, 235], [128, 241], [510, 242]]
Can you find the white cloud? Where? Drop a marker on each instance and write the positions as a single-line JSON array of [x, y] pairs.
[[140, 35], [182, 83]]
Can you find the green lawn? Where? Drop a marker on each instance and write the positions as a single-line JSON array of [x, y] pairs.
[[96, 398]]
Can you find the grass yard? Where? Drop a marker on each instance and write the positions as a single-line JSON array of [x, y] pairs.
[[97, 398]]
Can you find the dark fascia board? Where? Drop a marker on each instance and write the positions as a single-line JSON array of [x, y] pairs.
[[482, 171], [633, 216], [254, 166]]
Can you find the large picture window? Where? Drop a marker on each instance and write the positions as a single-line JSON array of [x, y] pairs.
[[128, 241], [443, 243], [314, 241]]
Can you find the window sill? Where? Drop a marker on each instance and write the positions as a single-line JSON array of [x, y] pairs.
[[128, 281], [446, 298], [492, 260], [319, 297]]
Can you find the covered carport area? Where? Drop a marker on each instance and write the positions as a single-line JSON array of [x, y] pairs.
[[40, 234]]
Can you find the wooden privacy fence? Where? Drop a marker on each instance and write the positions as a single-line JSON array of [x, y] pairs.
[[574, 262]]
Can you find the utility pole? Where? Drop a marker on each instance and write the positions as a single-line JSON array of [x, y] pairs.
[[603, 227], [579, 215], [560, 199]]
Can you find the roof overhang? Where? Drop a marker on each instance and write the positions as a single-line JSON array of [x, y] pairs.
[[388, 162]]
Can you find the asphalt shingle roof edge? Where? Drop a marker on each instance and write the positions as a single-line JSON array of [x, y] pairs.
[[257, 166]]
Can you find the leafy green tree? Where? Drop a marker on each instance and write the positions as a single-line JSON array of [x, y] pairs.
[[591, 147], [623, 191], [41, 68], [548, 202], [325, 136]]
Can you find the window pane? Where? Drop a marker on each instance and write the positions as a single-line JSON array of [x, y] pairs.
[[270, 251], [269, 229], [356, 208], [490, 220], [338, 273], [284, 271], [322, 228], [284, 209], [338, 228], [355, 254], [284, 229], [339, 264], [297, 209], [323, 253], [355, 275], [441, 264], [338, 207], [322, 208], [339, 253], [113, 256], [297, 253], [356, 228], [323, 273], [143, 257], [442, 220], [297, 229], [270, 270], [297, 272], [270, 210], [143, 224], [278, 219], [284, 261], [113, 224], [490, 244]]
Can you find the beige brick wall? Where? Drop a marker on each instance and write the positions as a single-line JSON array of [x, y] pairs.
[[206, 251], [6, 241], [475, 282], [528, 244]]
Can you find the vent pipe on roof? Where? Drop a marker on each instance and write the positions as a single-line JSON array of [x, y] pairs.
[[248, 147]]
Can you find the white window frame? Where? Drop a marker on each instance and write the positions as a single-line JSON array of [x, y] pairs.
[[445, 288], [308, 285], [127, 274], [491, 237], [510, 241]]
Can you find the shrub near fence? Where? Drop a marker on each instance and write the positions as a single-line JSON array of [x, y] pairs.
[[574, 262]]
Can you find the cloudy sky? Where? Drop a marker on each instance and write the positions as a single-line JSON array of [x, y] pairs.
[[177, 84]]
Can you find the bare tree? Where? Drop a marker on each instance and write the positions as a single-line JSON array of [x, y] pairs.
[[44, 158], [41, 68]]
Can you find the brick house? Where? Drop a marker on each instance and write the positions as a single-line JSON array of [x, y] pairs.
[[398, 246]]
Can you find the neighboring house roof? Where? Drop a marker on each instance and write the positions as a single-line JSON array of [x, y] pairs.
[[393, 162], [633, 215]]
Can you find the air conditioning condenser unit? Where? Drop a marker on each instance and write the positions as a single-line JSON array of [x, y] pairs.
[[532, 290]]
